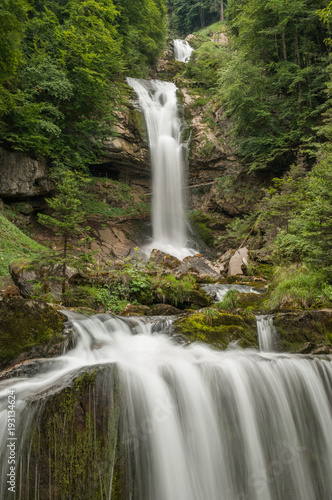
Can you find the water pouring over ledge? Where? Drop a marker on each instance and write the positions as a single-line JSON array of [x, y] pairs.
[[158, 103], [182, 50], [196, 423]]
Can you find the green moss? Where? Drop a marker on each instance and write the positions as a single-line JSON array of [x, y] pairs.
[[25, 324], [219, 328], [296, 328], [74, 439]]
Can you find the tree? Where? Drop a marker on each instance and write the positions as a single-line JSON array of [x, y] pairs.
[[67, 218]]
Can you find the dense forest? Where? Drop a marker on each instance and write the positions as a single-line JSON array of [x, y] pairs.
[[62, 79]]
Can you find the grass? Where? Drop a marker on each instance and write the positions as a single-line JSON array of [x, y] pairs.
[[14, 244], [299, 288]]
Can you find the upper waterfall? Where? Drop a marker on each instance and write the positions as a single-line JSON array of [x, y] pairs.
[[159, 104], [182, 50]]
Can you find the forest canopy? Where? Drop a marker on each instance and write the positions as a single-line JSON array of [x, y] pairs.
[[61, 67]]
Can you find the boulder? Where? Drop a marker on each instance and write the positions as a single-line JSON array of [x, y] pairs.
[[164, 310], [26, 277], [198, 265], [136, 310], [26, 325], [238, 259], [164, 259], [23, 177]]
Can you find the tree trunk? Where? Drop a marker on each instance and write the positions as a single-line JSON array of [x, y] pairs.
[[284, 48], [201, 17], [64, 266], [222, 18]]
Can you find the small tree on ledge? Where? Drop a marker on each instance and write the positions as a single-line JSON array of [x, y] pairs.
[[67, 216]]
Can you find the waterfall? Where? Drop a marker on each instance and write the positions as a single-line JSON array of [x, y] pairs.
[[159, 104], [218, 292], [266, 333], [182, 51], [196, 423]]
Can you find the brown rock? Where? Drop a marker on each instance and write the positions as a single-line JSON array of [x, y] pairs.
[[11, 291], [164, 310], [163, 259], [198, 265]]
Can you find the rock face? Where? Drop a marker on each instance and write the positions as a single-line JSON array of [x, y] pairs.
[[22, 177], [126, 155]]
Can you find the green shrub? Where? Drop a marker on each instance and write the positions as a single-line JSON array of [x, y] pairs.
[[230, 301]]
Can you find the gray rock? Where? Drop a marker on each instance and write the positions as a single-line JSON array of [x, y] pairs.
[[22, 177]]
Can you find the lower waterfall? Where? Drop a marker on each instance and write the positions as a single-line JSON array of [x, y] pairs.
[[175, 422]]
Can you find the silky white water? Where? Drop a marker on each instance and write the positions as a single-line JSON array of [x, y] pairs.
[[218, 291], [182, 50], [158, 103], [266, 333], [201, 424]]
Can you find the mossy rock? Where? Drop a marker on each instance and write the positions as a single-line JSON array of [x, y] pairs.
[[27, 323], [73, 439], [219, 328], [297, 328], [252, 300]]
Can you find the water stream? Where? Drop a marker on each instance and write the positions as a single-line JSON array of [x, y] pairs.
[[159, 105], [182, 50], [266, 333], [198, 424]]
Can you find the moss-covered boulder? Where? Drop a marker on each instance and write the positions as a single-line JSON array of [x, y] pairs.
[[72, 439], [295, 329], [219, 328], [26, 324]]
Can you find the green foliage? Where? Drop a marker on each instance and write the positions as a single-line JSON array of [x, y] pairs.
[[230, 301], [299, 287], [205, 63], [14, 244], [273, 85], [60, 67], [188, 15], [68, 217]]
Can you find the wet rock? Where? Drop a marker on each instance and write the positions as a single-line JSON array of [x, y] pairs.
[[219, 328], [304, 331], [198, 265], [237, 261], [22, 177], [26, 324], [164, 310], [163, 259], [136, 310]]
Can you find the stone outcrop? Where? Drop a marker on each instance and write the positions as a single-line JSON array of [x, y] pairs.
[[22, 177], [126, 154]]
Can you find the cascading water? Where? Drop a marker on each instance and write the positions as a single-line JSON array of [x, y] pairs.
[[218, 291], [158, 102], [182, 50], [196, 423], [266, 333]]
